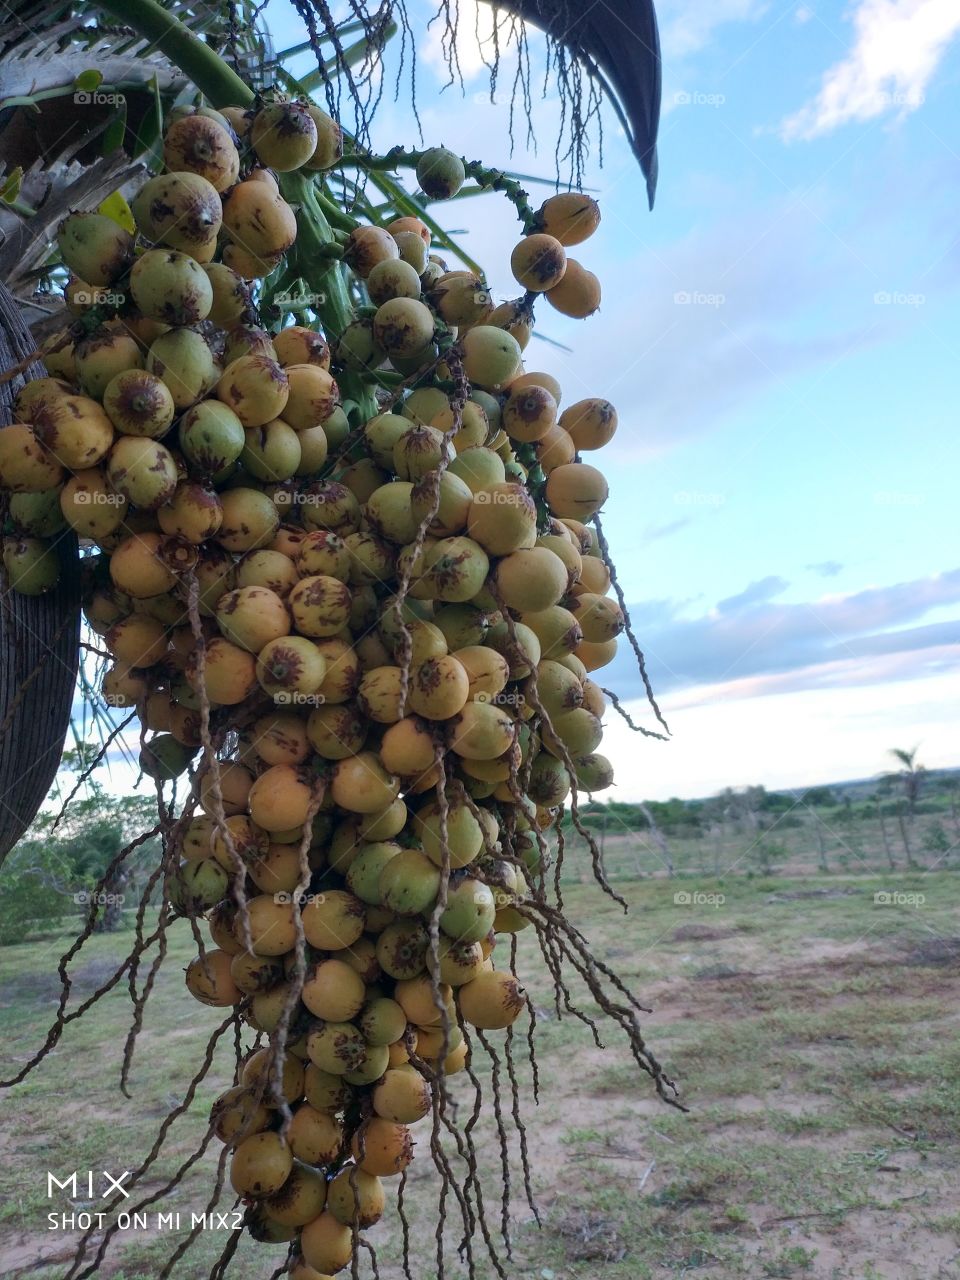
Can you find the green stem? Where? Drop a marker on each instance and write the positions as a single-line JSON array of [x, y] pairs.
[[487, 179], [335, 215], [314, 239], [213, 77]]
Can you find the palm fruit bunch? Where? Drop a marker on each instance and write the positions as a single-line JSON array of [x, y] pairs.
[[363, 626]]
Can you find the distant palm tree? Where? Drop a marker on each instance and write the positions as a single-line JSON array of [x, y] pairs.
[[910, 776]]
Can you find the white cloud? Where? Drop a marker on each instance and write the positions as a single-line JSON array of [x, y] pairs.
[[784, 738], [687, 26], [752, 636], [474, 42], [898, 47]]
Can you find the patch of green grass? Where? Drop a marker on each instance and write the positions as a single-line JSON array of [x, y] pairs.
[[799, 1073], [790, 1262]]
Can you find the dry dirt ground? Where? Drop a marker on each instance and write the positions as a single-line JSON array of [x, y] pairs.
[[811, 1028]]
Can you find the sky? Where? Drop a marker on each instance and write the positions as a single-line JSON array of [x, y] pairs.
[[779, 337]]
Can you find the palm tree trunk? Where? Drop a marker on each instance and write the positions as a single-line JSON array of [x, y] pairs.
[[39, 644], [821, 846], [886, 838], [905, 838]]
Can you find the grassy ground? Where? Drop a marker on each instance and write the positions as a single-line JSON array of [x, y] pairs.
[[812, 1028]]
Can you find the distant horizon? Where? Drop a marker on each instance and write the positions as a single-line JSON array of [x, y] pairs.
[[835, 784]]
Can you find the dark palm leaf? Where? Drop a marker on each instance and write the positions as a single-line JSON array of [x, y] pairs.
[[618, 44]]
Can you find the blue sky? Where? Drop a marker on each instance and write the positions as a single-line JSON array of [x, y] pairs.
[[779, 336], [780, 339]]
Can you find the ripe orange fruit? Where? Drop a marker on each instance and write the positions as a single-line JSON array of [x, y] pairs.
[[333, 920], [327, 1244], [361, 784], [272, 928], [381, 1147], [538, 262], [261, 1165], [578, 293], [315, 1136], [403, 1096], [300, 1199], [198, 144], [333, 991], [280, 797], [576, 490], [366, 246], [211, 982], [570, 216], [251, 617], [503, 518], [529, 413], [284, 135], [258, 1069], [237, 1113], [356, 1195], [590, 423], [492, 1001]]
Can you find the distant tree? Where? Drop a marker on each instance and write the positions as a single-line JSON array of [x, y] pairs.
[[35, 893], [63, 858], [935, 839], [910, 776], [820, 797], [767, 853]]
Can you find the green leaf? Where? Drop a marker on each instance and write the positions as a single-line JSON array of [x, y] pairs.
[[22, 100], [305, 46], [88, 81], [116, 130], [552, 342], [151, 125], [543, 182], [117, 210], [355, 54], [11, 185]]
